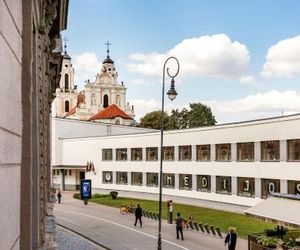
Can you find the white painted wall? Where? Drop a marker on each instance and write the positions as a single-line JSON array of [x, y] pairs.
[[80, 150]]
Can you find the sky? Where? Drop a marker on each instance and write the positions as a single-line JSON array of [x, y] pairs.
[[241, 58]]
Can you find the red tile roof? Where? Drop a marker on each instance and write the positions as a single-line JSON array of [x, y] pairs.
[[110, 112]]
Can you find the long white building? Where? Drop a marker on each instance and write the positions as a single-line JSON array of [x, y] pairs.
[[240, 163]]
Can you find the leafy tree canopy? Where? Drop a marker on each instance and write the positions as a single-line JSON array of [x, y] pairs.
[[196, 116]]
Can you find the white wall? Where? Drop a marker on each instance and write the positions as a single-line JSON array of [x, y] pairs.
[[10, 122], [70, 128], [79, 151]]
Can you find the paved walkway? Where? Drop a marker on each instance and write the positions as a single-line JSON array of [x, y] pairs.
[[67, 240], [106, 226]]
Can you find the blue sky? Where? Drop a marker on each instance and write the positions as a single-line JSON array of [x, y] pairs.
[[242, 58]]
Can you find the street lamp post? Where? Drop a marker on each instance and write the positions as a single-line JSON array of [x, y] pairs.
[[172, 95]]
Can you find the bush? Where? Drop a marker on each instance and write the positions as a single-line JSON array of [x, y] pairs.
[[96, 195], [114, 194], [267, 241]]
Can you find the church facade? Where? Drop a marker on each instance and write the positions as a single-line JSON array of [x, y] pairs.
[[103, 100]]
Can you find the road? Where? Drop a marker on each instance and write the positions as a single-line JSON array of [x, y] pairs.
[[107, 227]]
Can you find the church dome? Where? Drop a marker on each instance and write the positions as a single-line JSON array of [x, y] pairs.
[[108, 60]]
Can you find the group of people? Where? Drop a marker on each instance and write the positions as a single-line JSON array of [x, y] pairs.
[[230, 238]]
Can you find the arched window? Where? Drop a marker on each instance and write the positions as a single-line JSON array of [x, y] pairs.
[[67, 106], [66, 82], [118, 122], [105, 101]]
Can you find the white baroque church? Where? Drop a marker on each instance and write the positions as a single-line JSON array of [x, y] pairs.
[[103, 100]]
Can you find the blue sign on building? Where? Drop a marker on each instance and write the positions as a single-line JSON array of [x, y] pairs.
[[86, 189]]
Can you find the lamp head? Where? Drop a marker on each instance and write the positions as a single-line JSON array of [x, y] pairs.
[[172, 92]]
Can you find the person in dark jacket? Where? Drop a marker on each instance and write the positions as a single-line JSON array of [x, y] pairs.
[[231, 238], [138, 215], [59, 196], [179, 224]]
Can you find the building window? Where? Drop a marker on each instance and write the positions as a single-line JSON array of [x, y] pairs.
[[137, 178], [118, 121], [269, 186], [185, 153], [70, 172], [245, 151], [203, 152], [294, 187], [185, 181], [65, 172], [107, 154], [168, 180], [246, 186], [223, 184], [122, 178], [152, 154], [66, 82], [152, 179], [53, 172], [269, 150], [107, 177], [57, 171], [105, 101], [121, 154], [203, 183], [67, 106], [223, 152], [136, 154], [293, 150], [168, 153]]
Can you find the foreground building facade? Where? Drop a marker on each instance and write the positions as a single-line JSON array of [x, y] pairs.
[[239, 163], [30, 60]]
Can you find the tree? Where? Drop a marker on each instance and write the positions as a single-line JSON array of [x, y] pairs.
[[198, 115], [153, 120]]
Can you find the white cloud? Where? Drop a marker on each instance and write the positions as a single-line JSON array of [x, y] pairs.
[[208, 56], [86, 66], [283, 59], [260, 105], [248, 80]]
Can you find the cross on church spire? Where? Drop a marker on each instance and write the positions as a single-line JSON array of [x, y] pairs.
[[107, 47], [65, 44]]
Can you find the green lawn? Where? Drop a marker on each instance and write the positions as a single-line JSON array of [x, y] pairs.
[[222, 219]]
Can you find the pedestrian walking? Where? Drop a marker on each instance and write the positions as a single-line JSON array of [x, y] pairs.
[[59, 196], [231, 238], [138, 215], [179, 222]]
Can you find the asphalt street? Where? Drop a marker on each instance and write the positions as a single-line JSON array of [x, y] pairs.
[[107, 227]]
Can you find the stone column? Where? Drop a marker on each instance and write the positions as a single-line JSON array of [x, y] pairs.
[[176, 177], [257, 151], [176, 152], [128, 178], [194, 182], [213, 152], [128, 154], [283, 150], [233, 152], [194, 153], [114, 176], [234, 185], [213, 184], [257, 187], [284, 186], [62, 179], [144, 179]]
